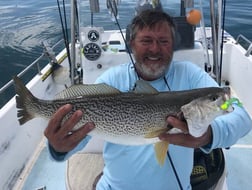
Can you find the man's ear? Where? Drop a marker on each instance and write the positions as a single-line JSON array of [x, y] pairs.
[[132, 43], [128, 38]]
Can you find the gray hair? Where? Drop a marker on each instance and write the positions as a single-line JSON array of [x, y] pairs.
[[149, 18]]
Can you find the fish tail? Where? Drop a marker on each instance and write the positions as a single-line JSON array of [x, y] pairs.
[[24, 98]]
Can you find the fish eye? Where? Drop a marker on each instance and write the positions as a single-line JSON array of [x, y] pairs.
[[214, 97]]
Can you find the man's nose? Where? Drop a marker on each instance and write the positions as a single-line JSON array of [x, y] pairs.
[[155, 46]]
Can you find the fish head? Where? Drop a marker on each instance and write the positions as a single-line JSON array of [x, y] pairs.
[[200, 112]]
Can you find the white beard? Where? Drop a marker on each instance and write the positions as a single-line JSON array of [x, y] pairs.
[[151, 72]]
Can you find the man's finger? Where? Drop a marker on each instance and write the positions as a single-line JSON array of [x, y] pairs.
[[177, 123], [70, 123], [79, 134], [55, 123]]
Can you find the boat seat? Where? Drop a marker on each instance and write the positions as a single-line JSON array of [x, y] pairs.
[[82, 170]]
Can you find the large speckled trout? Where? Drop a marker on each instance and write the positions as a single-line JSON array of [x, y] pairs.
[[132, 118]]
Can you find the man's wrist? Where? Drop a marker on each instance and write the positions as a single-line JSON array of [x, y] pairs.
[[209, 138]]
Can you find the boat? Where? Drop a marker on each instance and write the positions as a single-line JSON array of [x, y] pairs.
[[24, 158]]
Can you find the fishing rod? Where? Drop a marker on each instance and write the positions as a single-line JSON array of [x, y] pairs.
[[64, 30], [114, 11], [128, 49], [175, 171]]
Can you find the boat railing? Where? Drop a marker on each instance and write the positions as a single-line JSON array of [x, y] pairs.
[[47, 53], [242, 38]]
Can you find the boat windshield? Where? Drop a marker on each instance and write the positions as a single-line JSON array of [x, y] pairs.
[[106, 13]]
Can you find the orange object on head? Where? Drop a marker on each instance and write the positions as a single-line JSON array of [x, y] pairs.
[[193, 17]]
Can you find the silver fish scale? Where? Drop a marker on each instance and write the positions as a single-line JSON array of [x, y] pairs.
[[117, 115]]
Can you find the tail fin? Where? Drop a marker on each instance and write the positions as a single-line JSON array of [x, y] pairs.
[[24, 98]]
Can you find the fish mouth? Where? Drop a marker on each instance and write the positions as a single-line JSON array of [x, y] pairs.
[[227, 93], [227, 98]]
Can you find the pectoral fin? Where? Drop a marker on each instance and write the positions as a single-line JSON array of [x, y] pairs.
[[161, 149]]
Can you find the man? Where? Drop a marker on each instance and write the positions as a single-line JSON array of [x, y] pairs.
[[135, 167]]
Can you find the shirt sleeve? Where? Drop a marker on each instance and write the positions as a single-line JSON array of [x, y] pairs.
[[229, 128], [226, 129], [58, 156]]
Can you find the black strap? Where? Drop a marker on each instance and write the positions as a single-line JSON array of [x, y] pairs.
[[175, 171]]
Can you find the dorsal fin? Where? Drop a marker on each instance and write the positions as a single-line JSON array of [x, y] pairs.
[[87, 90], [143, 87]]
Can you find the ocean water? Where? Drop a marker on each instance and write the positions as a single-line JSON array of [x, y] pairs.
[[25, 24]]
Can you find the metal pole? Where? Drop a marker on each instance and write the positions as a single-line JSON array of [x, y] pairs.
[[208, 67], [182, 8], [219, 38], [72, 54], [215, 42]]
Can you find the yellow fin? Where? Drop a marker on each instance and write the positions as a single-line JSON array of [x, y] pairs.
[[156, 133], [161, 149]]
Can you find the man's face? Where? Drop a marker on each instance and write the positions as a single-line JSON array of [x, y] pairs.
[[153, 50]]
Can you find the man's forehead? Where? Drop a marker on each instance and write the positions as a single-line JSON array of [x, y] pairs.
[[156, 25], [156, 29]]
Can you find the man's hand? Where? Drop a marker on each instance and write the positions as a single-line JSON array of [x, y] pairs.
[[184, 138], [61, 135]]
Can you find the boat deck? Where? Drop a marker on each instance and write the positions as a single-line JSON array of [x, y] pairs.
[[80, 171], [238, 160]]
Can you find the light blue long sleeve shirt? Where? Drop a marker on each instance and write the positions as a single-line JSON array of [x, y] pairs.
[[135, 167]]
